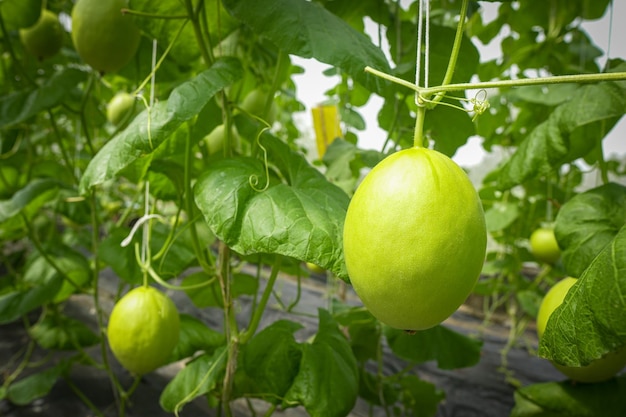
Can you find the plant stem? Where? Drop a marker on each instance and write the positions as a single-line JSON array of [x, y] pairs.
[[418, 136], [456, 48], [33, 237], [153, 15], [83, 397], [258, 312], [95, 238], [556, 79], [190, 205], [195, 22]]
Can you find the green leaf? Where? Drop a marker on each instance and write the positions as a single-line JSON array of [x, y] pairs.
[[363, 329], [344, 161], [546, 95], [35, 386], [198, 377], [450, 128], [195, 336], [375, 390], [185, 49], [500, 216], [58, 332], [590, 321], [269, 363], [35, 194], [564, 399], [152, 128], [19, 14], [306, 29], [15, 304], [587, 223], [300, 218], [327, 383], [572, 130], [76, 272], [19, 106], [450, 349], [420, 396]]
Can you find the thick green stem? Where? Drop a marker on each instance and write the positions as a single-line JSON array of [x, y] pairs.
[[556, 79], [418, 137], [456, 48]]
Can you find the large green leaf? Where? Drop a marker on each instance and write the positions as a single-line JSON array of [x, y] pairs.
[[570, 132], [21, 105], [591, 321], [152, 128], [36, 385], [198, 377], [327, 383], [587, 223], [269, 363], [564, 399], [301, 217], [306, 29], [450, 349]]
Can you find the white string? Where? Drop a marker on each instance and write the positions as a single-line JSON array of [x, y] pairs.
[[418, 63], [427, 46], [424, 6], [608, 47]]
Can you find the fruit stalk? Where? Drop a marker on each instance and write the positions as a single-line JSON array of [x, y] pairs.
[[418, 137]]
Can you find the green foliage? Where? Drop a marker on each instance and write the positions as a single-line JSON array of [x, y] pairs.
[[593, 303], [588, 222], [151, 128], [561, 399], [148, 202], [308, 211], [327, 381]]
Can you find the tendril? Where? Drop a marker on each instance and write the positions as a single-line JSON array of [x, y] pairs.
[[479, 105], [253, 180]]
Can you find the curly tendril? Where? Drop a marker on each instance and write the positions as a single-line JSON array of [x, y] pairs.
[[253, 180], [479, 105]]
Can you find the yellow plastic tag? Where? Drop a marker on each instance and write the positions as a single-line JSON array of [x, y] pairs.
[[326, 124]]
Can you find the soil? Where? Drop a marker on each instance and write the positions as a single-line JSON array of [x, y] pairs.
[[483, 390]]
